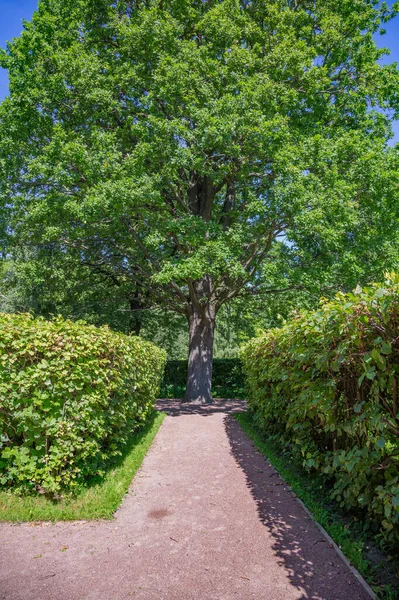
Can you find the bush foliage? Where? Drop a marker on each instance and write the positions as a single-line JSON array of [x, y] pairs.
[[71, 395], [327, 383]]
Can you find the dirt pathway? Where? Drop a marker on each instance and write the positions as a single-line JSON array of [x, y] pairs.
[[207, 519]]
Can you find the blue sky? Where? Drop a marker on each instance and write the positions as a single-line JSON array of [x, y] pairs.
[[12, 12]]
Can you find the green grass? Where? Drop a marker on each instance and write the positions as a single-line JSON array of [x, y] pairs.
[[310, 489], [98, 499]]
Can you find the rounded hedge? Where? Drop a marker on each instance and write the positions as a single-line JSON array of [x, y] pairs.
[[327, 383], [71, 394]]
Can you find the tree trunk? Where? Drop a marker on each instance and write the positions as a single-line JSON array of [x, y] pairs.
[[201, 334], [135, 314]]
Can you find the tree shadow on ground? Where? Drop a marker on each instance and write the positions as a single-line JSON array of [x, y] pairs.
[[176, 408], [312, 566]]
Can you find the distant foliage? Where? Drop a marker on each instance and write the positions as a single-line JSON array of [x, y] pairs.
[[70, 396], [327, 382]]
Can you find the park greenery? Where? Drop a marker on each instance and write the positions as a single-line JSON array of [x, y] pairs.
[[326, 384], [97, 498], [71, 397], [188, 158], [181, 179]]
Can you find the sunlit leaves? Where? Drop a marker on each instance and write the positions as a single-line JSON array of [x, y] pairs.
[[327, 382], [70, 396], [167, 142]]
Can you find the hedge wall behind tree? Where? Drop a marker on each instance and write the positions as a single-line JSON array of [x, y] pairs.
[[227, 380]]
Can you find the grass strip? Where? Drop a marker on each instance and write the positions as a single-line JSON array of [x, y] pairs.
[[99, 499], [312, 493]]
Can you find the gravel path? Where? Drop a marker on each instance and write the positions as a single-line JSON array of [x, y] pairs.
[[207, 518]]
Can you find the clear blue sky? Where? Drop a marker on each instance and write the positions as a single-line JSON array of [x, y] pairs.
[[13, 11]]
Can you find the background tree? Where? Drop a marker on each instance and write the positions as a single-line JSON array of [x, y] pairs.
[[200, 151]]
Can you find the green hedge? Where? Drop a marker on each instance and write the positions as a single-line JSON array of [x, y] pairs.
[[71, 394], [228, 379], [327, 383]]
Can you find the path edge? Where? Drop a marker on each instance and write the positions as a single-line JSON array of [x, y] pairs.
[[329, 539], [337, 549]]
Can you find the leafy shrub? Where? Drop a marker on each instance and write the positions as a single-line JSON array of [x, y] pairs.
[[70, 396], [227, 378], [327, 383]]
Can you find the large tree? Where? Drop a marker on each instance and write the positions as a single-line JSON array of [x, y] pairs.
[[199, 149]]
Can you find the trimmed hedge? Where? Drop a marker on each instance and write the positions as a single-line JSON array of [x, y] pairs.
[[228, 380], [327, 384], [71, 394]]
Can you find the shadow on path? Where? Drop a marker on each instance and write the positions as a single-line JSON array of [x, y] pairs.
[[176, 408], [312, 565]]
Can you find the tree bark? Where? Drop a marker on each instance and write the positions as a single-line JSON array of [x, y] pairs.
[[201, 321], [135, 314]]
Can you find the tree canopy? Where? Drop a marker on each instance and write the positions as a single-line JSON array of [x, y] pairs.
[[200, 151]]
